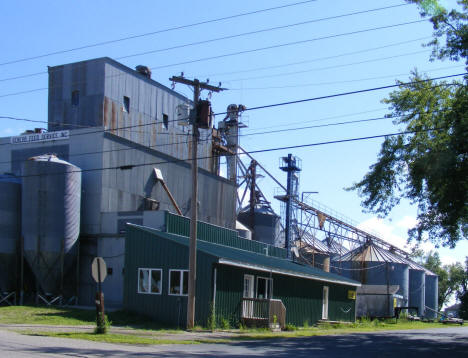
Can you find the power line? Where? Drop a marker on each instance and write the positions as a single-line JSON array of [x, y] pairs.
[[256, 69], [343, 81], [287, 44], [131, 166], [154, 32], [302, 100], [260, 31], [350, 93], [327, 67], [240, 135], [221, 56]]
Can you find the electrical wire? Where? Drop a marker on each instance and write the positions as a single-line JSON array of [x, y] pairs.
[[208, 138], [256, 69], [155, 32], [175, 160], [300, 101], [216, 57]]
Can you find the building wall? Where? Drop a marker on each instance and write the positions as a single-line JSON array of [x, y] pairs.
[[102, 85], [125, 190], [301, 297], [143, 250]]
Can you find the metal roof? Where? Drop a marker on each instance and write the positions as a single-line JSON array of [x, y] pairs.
[[241, 258], [374, 253]]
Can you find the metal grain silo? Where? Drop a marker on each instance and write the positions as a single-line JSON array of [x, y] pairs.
[[417, 289], [431, 295], [51, 195], [265, 225], [373, 265], [10, 229]]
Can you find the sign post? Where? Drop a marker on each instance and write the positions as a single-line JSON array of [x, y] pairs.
[[99, 273]]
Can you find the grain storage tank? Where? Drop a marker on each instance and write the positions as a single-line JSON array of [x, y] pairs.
[[372, 265], [51, 194], [10, 229], [417, 289], [431, 295], [264, 224]]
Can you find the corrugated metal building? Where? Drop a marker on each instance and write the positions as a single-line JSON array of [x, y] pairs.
[[237, 282], [118, 179]]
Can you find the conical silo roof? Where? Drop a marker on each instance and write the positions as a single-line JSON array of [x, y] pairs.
[[372, 253]]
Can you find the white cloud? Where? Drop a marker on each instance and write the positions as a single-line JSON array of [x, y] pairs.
[[384, 231], [408, 222], [448, 260], [388, 232]]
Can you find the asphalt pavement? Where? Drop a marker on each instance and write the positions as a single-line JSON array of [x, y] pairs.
[[442, 342]]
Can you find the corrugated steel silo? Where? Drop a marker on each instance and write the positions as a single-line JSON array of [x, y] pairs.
[[417, 282], [372, 265], [266, 225], [10, 230], [431, 296], [51, 195]]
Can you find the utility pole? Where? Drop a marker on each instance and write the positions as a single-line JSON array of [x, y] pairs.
[[197, 87]]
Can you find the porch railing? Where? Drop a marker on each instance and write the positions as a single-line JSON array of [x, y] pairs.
[[263, 310]]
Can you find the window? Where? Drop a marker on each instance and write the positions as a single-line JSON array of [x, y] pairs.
[[126, 104], [264, 287], [165, 120], [149, 281], [75, 98], [178, 282]]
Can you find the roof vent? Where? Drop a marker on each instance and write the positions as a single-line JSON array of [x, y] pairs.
[[144, 70]]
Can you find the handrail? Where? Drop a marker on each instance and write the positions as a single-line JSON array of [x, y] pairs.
[[264, 310]]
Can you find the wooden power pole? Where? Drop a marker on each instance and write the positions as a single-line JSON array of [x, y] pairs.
[[197, 87]]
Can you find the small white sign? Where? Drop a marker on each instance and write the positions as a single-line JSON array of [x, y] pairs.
[[40, 137], [99, 269]]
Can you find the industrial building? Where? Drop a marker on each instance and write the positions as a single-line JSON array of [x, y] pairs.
[[116, 151], [117, 126], [241, 280]]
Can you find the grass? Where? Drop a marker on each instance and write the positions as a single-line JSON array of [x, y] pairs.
[[111, 338], [56, 316], [145, 331]]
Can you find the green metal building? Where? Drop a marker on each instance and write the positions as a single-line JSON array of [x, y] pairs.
[[241, 280]]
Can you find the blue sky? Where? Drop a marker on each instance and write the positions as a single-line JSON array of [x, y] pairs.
[[316, 67]]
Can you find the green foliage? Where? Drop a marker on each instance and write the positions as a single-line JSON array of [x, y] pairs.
[[463, 311], [102, 325], [434, 147], [290, 327], [224, 323], [211, 324], [275, 319], [306, 324]]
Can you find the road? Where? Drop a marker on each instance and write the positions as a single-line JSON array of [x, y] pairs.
[[449, 342]]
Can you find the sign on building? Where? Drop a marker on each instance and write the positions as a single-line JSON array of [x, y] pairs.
[[40, 137]]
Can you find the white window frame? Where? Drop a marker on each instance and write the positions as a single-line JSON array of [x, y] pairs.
[[181, 283], [251, 288], [270, 287], [150, 270]]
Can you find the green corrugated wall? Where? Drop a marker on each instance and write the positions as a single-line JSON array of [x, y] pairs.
[[144, 250], [180, 225], [301, 297]]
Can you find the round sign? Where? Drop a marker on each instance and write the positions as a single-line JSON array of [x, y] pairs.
[[99, 269]]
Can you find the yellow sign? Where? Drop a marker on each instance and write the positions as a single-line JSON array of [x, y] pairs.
[[351, 295], [394, 302]]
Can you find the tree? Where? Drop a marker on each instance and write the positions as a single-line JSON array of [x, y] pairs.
[[428, 163], [462, 293]]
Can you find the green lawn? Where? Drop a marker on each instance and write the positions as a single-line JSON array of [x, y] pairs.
[[72, 317], [144, 331]]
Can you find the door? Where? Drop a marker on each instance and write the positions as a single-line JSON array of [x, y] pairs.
[[325, 303], [247, 305]]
